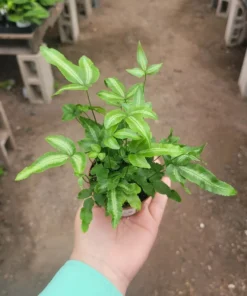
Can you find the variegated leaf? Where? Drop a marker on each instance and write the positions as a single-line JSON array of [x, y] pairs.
[[114, 207], [90, 73], [62, 144], [137, 72], [112, 143], [71, 87], [138, 161], [138, 125], [162, 149], [113, 117], [116, 86], [43, 163], [141, 57], [78, 161], [126, 133]]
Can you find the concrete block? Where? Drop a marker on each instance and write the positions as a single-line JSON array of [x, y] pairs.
[[223, 8], [242, 81], [86, 6], [7, 142], [236, 24], [68, 23], [37, 77]]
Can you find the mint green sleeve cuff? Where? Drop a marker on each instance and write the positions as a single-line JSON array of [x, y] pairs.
[[78, 279]]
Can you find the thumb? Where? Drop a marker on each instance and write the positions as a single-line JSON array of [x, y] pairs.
[[158, 204]]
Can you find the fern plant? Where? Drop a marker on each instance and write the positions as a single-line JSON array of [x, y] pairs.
[[120, 146]]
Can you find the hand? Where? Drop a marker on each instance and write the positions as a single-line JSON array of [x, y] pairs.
[[119, 253]]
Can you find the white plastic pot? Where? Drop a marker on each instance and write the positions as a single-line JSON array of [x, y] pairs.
[[23, 24], [127, 212]]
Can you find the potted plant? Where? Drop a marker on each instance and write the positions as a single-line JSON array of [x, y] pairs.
[[121, 147]]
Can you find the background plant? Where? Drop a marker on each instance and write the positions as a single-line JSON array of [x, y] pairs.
[[122, 150]]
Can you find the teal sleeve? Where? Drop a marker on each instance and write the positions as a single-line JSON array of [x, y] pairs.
[[78, 279]]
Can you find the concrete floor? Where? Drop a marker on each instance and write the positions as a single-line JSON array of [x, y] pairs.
[[196, 93]]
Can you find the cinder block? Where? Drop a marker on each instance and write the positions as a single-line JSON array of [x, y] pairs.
[[223, 8], [37, 77], [242, 81], [86, 6], [68, 23], [236, 24], [7, 142]]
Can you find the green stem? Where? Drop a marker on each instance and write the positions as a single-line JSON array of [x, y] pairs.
[[86, 114], [144, 83], [91, 106]]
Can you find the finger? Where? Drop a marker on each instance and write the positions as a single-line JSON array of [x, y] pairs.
[[158, 204]]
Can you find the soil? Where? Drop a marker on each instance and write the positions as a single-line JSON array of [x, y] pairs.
[[201, 249]]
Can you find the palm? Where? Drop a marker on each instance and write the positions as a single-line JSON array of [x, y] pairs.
[[119, 252]]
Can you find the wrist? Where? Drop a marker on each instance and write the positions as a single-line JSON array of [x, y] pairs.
[[120, 281]]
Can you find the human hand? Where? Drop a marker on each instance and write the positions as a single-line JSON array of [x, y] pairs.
[[119, 253]]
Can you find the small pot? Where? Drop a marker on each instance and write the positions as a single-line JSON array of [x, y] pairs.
[[129, 211], [23, 24]]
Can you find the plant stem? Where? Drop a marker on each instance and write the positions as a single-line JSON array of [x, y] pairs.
[[86, 114], [144, 83], [91, 106]]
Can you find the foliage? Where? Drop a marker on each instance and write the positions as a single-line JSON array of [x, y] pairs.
[[33, 11], [121, 147]]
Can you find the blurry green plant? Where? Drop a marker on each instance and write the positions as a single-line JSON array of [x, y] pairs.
[[122, 149], [1, 171], [32, 11]]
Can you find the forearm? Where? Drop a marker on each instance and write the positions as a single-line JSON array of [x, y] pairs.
[[77, 279]]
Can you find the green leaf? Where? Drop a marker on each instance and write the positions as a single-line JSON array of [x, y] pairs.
[[90, 73], [197, 174], [162, 149], [175, 196], [137, 72], [80, 182], [96, 148], [136, 146], [114, 207], [110, 97], [137, 124], [100, 199], [113, 117], [101, 156], [129, 188], [78, 161], [85, 144], [161, 187], [69, 112], [112, 143], [116, 86], [70, 71], [173, 172], [71, 87], [92, 154], [98, 109], [126, 133], [100, 172], [196, 151], [92, 128], [146, 186], [86, 214], [139, 161], [133, 89], [143, 111], [138, 99], [184, 159], [62, 144], [85, 193], [43, 163], [134, 201], [141, 57], [153, 69], [170, 139]]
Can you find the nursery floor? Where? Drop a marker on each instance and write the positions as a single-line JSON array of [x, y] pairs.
[[202, 245]]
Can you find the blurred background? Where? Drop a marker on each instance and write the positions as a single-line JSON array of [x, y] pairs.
[[200, 92]]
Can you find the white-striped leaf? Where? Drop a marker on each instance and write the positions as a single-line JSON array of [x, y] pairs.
[[144, 111], [78, 161], [153, 69], [138, 161], [114, 207], [116, 86], [62, 144], [138, 99], [90, 73], [71, 72], [162, 149], [126, 133], [71, 87], [141, 57], [112, 143], [137, 72], [110, 97], [137, 124], [197, 174], [113, 117], [43, 163], [133, 89], [92, 129]]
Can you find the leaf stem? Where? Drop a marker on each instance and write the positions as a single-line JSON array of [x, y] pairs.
[[91, 106], [144, 83], [86, 114]]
